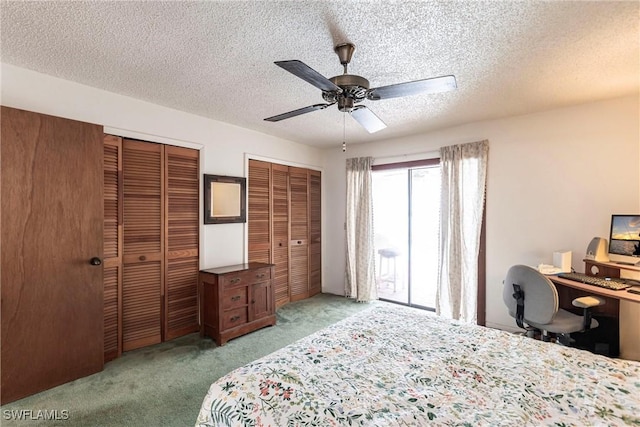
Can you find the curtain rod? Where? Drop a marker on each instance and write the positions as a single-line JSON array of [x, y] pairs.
[[407, 157]]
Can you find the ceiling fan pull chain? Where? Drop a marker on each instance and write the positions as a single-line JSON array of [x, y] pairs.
[[344, 133]]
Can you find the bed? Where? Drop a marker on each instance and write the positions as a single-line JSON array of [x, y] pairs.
[[394, 365]]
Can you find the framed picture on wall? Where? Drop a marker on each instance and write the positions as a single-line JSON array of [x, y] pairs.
[[224, 199]]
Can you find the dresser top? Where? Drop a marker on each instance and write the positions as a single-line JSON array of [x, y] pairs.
[[237, 268]]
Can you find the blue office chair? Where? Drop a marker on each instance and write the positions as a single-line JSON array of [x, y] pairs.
[[532, 299]]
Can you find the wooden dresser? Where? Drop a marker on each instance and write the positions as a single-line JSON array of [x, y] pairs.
[[236, 300]]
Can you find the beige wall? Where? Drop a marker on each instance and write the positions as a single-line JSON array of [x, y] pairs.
[[554, 180]]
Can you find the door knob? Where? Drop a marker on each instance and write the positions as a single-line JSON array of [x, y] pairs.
[[95, 261]]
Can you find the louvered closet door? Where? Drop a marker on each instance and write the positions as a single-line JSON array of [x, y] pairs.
[[259, 224], [315, 210], [143, 246], [181, 279], [112, 230], [280, 225], [299, 248]]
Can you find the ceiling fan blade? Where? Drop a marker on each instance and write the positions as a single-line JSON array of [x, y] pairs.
[[367, 119], [433, 85], [297, 112], [309, 75]]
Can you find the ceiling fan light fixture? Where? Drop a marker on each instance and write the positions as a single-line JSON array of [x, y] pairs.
[[345, 104]]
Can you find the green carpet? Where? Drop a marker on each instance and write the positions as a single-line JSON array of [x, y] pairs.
[[164, 385]]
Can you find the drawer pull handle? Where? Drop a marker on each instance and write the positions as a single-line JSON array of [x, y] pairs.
[[142, 258], [235, 298], [234, 281], [299, 242], [235, 318], [260, 276]]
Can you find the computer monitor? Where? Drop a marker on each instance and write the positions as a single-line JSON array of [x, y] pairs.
[[624, 239]]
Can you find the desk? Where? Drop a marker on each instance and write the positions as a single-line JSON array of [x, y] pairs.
[[622, 305]]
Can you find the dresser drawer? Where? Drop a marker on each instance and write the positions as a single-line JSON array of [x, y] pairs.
[[246, 277], [233, 297], [233, 318], [261, 275]]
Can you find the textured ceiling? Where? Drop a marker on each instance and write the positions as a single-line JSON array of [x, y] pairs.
[[215, 58]]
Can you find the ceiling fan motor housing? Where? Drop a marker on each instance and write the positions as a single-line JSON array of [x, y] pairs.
[[354, 89]]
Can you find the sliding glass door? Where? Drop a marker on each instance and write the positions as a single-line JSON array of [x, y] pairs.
[[406, 202]]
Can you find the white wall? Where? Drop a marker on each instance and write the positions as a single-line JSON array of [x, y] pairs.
[[224, 147], [554, 179]]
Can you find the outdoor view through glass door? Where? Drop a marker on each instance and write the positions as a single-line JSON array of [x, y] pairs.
[[406, 216]]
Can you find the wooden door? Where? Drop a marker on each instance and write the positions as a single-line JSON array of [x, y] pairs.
[[299, 233], [315, 234], [259, 219], [280, 227], [52, 213], [143, 244], [112, 247], [182, 231]]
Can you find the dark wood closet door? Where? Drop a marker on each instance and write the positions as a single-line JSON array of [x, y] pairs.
[[259, 219], [299, 243], [280, 225], [182, 262], [52, 219], [143, 246], [112, 246], [315, 211]]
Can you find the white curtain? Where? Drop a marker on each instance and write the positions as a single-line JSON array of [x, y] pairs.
[[464, 172], [360, 269]]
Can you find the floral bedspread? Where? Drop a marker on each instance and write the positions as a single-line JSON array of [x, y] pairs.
[[396, 366]]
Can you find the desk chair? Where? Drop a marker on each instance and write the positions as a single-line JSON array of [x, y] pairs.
[[532, 299]]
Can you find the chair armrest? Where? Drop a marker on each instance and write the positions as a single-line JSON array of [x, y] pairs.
[[587, 302]]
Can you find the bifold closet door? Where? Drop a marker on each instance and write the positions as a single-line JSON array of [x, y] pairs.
[[299, 233], [285, 227], [268, 222], [259, 211], [182, 231], [151, 243], [112, 262], [315, 233], [280, 226], [143, 244]]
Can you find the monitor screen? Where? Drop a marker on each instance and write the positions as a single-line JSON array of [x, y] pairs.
[[625, 235]]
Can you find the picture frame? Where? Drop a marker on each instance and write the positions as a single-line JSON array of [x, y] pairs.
[[224, 199]]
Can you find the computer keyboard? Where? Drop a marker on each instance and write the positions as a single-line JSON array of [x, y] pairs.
[[613, 284]]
